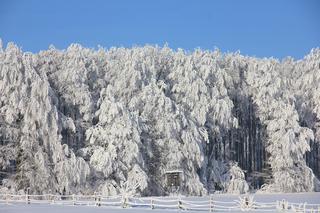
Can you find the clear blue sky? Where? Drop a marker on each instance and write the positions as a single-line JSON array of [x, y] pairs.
[[260, 28]]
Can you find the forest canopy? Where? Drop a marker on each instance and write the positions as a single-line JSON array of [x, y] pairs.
[[93, 120]]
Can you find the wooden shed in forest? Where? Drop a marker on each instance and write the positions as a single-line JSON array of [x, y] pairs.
[[173, 180]]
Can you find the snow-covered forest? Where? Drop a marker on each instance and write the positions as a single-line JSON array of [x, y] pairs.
[[94, 120]]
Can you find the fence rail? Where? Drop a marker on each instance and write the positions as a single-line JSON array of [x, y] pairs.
[[207, 205]]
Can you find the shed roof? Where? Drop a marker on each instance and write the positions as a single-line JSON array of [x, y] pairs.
[[173, 171]]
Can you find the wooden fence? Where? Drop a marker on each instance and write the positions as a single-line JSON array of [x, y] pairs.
[[205, 204]]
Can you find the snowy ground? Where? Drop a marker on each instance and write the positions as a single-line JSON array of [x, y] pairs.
[[309, 198], [70, 209]]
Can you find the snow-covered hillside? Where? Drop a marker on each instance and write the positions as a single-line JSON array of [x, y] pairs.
[[82, 121]]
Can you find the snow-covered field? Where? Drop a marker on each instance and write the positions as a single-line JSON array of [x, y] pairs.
[[222, 202]]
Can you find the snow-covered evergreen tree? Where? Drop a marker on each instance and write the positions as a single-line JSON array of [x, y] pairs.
[[115, 121]]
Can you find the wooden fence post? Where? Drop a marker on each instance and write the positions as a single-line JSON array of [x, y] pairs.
[[152, 206], [283, 205], [27, 196], [124, 202], [179, 203], [52, 198], [211, 203], [95, 199], [73, 200], [99, 200]]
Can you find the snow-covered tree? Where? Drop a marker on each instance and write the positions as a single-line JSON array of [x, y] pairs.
[[83, 120]]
